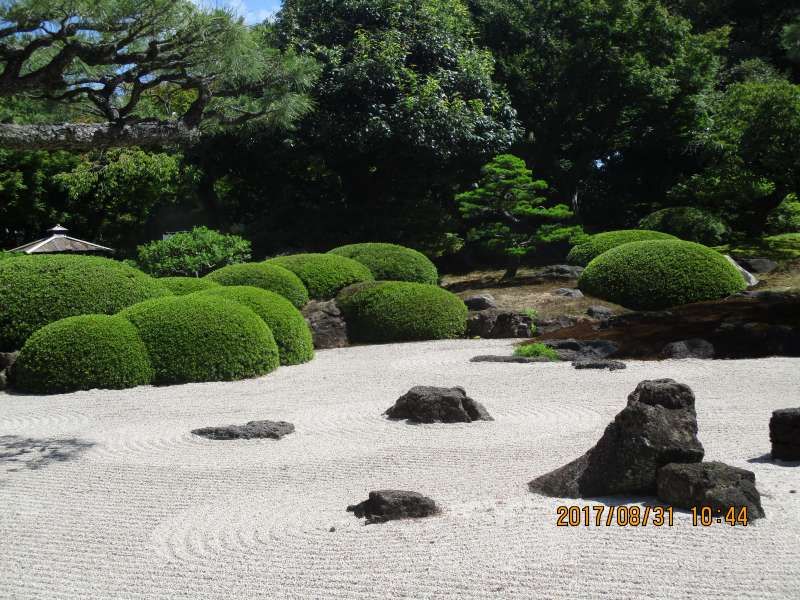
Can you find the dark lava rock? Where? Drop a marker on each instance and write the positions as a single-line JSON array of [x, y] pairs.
[[554, 323], [712, 484], [328, 327], [692, 348], [494, 324], [571, 349], [385, 505], [758, 265], [657, 427], [426, 404], [754, 339], [784, 433], [599, 363], [480, 302], [253, 430], [561, 272], [599, 312], [510, 359], [7, 359]]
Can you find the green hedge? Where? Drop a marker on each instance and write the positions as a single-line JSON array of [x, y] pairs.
[[82, 353], [37, 290], [658, 274], [688, 223], [324, 274], [395, 311], [391, 262], [203, 338], [290, 329], [180, 286], [785, 218], [583, 253], [267, 277]]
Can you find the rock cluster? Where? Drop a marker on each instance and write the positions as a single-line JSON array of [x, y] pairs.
[[575, 350], [493, 324], [328, 328], [784, 433], [253, 430], [691, 348], [551, 324], [385, 505], [426, 404]]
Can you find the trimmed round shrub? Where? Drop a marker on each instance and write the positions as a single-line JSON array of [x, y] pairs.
[[37, 290], [583, 253], [203, 338], [82, 353], [391, 262], [785, 218], [323, 274], [267, 277], [180, 286], [288, 326], [4, 255], [688, 223], [395, 311], [659, 274]]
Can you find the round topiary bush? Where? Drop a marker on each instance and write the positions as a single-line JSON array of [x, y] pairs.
[[659, 274], [37, 290], [82, 353], [391, 262], [324, 274], [288, 326], [785, 218], [688, 223], [265, 276], [203, 338], [180, 286], [584, 252], [395, 311]]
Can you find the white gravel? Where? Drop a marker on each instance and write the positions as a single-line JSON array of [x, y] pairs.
[[106, 494]]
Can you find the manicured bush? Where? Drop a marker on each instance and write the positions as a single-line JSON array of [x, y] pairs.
[[82, 353], [324, 274], [688, 223], [203, 338], [583, 253], [785, 246], [395, 311], [37, 290], [657, 274], [267, 277], [180, 286], [4, 255], [536, 350], [290, 329], [391, 262], [785, 218]]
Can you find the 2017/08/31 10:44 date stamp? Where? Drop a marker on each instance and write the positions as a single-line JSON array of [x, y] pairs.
[[642, 516]]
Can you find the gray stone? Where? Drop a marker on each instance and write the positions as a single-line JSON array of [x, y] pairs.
[[386, 505], [562, 272], [571, 349], [749, 278], [568, 292], [599, 312], [427, 404], [480, 302], [510, 359], [253, 430], [3, 380], [554, 324], [657, 427], [7, 360], [691, 348], [784, 433], [328, 327], [713, 484], [493, 324], [758, 265], [599, 363]]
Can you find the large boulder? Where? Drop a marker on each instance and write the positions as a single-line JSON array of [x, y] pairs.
[[784, 433], [327, 324], [598, 311], [573, 350], [274, 430], [710, 484], [480, 302], [691, 348], [426, 404], [748, 277], [493, 323], [657, 427], [568, 292], [758, 265], [385, 505]]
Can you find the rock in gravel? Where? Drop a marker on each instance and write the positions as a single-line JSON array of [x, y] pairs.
[[510, 359], [480, 302], [749, 278], [657, 427], [253, 430], [599, 312], [599, 363], [568, 292], [3, 380], [758, 265], [7, 359], [571, 349], [328, 327], [386, 505], [426, 404], [713, 484], [784, 433], [691, 348], [495, 324]]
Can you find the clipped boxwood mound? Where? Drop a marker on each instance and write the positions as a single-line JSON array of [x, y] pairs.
[[785, 218], [659, 274], [290, 329], [391, 262], [180, 286], [267, 277], [395, 311], [688, 223], [37, 290], [583, 253], [323, 274], [82, 353], [203, 338]]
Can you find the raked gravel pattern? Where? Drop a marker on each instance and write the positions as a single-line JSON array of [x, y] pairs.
[[107, 494]]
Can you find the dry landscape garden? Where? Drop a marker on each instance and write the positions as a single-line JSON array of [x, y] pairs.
[[400, 299]]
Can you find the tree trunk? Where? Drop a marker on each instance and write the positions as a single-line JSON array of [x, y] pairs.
[[512, 267], [82, 137]]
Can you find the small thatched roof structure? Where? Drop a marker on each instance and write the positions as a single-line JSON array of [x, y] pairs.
[[59, 241]]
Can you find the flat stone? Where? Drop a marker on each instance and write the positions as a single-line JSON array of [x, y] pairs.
[[691, 348], [599, 363], [749, 278], [599, 312], [568, 292], [253, 430], [480, 302], [562, 272], [713, 484], [386, 505], [497, 324], [784, 433], [427, 404], [758, 265], [327, 324], [510, 359]]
